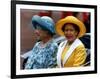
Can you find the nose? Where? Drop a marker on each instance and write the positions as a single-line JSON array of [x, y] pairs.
[[68, 32]]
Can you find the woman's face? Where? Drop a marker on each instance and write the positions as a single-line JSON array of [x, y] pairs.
[[40, 32], [70, 32], [36, 34], [43, 34]]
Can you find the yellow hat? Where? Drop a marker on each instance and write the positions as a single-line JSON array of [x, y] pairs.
[[73, 20]]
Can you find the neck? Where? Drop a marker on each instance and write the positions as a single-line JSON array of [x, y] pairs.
[[70, 42]]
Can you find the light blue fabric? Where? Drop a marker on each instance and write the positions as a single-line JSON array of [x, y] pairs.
[[43, 57]]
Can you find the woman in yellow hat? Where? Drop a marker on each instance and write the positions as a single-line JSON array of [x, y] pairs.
[[71, 52]]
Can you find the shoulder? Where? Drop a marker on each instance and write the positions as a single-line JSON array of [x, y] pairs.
[[80, 44], [80, 48], [53, 44]]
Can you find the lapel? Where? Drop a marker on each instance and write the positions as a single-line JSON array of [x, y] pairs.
[[61, 48], [75, 44]]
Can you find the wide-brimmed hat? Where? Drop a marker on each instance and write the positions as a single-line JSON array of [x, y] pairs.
[[71, 20], [45, 22]]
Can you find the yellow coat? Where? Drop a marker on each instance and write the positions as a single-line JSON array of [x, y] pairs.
[[77, 58]]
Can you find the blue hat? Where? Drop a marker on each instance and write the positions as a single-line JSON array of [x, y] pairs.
[[45, 22]]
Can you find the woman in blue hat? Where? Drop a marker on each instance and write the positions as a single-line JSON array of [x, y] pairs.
[[44, 52]]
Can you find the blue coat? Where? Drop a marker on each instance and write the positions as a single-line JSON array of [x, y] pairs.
[[43, 57]]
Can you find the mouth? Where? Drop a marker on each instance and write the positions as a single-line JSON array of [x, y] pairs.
[[69, 37]]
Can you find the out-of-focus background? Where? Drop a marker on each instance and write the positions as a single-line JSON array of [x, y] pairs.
[[28, 38]]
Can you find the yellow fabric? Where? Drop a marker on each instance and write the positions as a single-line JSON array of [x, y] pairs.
[[64, 52], [77, 58]]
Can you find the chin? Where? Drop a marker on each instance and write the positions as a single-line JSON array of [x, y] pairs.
[[70, 40]]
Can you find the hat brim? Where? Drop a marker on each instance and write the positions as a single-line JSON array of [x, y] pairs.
[[72, 20]]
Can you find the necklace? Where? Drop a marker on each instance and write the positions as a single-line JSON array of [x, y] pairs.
[[43, 45]]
